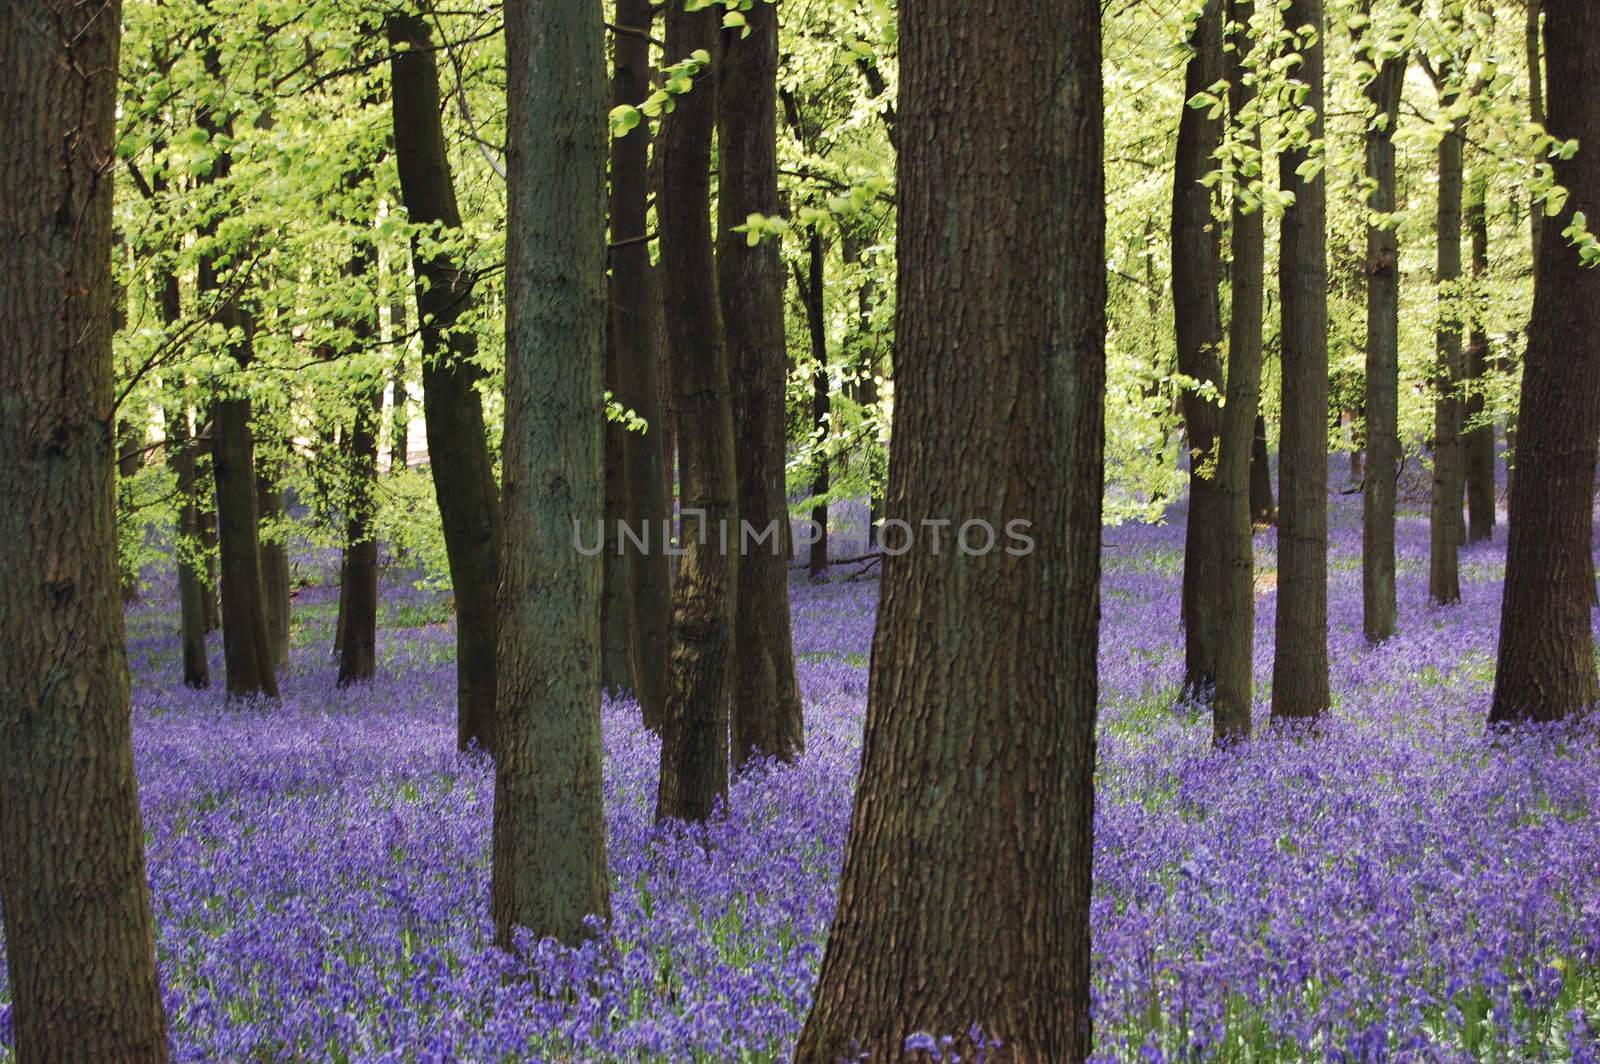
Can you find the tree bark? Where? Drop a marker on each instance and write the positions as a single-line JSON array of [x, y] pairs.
[[458, 446], [616, 606], [1378, 609], [358, 581], [1300, 662], [1546, 658], [812, 295], [80, 955], [180, 456], [1444, 516], [1196, 272], [694, 741], [274, 565], [1262, 509], [767, 719], [979, 744], [549, 847], [1478, 441], [1236, 600]]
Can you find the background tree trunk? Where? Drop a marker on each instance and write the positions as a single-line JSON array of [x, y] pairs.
[[1300, 662], [1478, 441], [616, 605], [180, 456], [813, 296], [767, 720], [1378, 610], [635, 328], [458, 447], [1546, 660], [358, 583], [1262, 509], [274, 565], [1196, 272], [979, 745], [694, 741], [1236, 598], [549, 819], [80, 956], [1444, 518]]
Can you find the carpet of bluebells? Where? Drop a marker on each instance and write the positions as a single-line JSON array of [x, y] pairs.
[[1402, 889]]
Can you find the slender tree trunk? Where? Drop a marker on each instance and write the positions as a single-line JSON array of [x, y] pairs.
[[1444, 519], [1546, 662], [1262, 509], [1236, 601], [1378, 610], [274, 565], [549, 818], [998, 416], [80, 957], [616, 605], [635, 333], [358, 582], [1300, 664], [694, 741], [1479, 438], [766, 718], [1196, 272], [458, 446], [191, 580], [812, 294], [212, 601], [130, 457]]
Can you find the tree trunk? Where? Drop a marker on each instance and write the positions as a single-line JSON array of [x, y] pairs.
[[1444, 517], [616, 606], [812, 294], [549, 819], [274, 565], [191, 580], [80, 956], [1478, 441], [1300, 661], [1546, 664], [458, 447], [965, 893], [1196, 271], [1378, 610], [635, 329], [212, 600], [399, 400], [1262, 509], [358, 581], [1236, 600], [694, 741], [130, 457], [767, 720]]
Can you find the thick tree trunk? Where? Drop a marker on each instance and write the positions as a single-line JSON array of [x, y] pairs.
[[1300, 661], [1378, 610], [635, 329], [80, 957], [1546, 664], [1478, 440], [1236, 601], [694, 741], [549, 819], [1196, 272], [1444, 515], [998, 417], [812, 295], [767, 720], [458, 447], [1262, 509]]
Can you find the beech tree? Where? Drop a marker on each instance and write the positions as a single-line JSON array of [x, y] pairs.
[[998, 416], [80, 956], [1546, 667]]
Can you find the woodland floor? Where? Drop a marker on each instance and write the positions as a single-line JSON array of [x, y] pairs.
[[1401, 889]]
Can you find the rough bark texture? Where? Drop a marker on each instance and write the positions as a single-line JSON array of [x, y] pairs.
[[79, 954], [635, 329], [549, 823], [1546, 665], [1444, 514], [813, 295], [766, 712], [694, 740], [1478, 436], [1378, 610], [458, 447], [1235, 599], [1196, 272], [965, 894], [1300, 661]]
